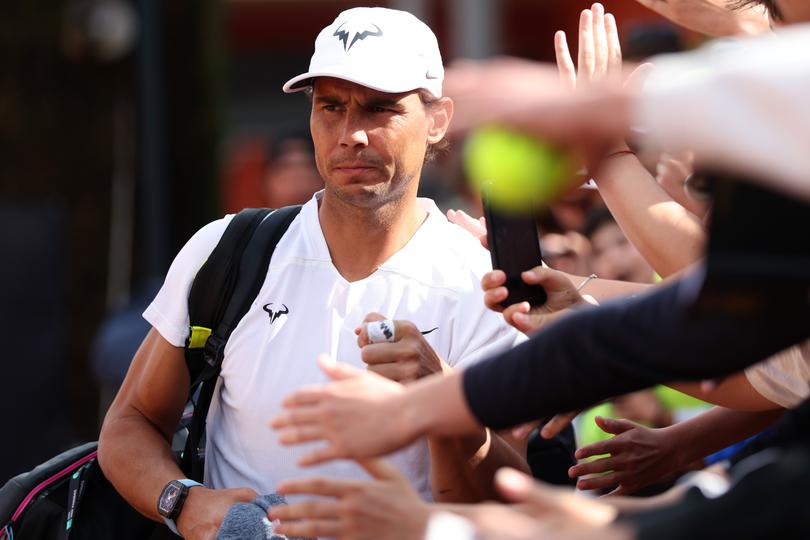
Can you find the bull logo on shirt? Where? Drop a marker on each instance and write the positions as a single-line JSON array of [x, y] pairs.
[[275, 314]]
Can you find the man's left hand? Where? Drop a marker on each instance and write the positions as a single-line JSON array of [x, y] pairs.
[[406, 357]]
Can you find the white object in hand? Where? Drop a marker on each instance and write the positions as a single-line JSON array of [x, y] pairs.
[[380, 331]]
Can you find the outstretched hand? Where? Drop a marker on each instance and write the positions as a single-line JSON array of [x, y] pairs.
[[356, 415], [638, 457], [384, 507]]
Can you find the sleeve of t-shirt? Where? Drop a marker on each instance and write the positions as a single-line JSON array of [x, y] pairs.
[[784, 378], [168, 312]]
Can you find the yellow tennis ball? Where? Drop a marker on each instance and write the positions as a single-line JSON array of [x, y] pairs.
[[519, 171]]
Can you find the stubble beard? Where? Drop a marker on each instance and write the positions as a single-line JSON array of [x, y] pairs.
[[383, 196]]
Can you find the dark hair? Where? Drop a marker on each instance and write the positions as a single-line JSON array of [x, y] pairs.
[[280, 139], [769, 5], [643, 40], [440, 148], [597, 218]]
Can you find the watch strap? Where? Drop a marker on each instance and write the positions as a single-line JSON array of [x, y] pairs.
[[172, 523]]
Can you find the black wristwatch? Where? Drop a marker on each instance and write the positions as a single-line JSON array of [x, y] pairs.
[[171, 500]]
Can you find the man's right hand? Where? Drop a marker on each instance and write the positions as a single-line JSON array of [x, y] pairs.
[[204, 510]]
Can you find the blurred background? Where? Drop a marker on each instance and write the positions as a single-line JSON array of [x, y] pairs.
[[125, 125]]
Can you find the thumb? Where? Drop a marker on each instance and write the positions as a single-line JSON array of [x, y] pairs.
[[614, 426], [337, 371], [370, 317], [373, 316], [380, 469]]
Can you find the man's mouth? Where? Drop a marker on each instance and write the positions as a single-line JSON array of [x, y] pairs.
[[355, 168]]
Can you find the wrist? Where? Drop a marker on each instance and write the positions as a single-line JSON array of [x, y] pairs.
[[413, 422], [184, 520], [173, 500], [678, 441]]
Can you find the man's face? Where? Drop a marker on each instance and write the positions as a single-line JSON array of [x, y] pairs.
[[369, 145]]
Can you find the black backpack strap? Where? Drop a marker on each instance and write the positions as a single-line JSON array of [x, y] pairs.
[[225, 287], [213, 286]]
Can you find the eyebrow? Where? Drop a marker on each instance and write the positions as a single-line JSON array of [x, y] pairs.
[[383, 102], [330, 100], [392, 103]]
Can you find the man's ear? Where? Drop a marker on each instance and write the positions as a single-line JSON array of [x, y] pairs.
[[440, 112]]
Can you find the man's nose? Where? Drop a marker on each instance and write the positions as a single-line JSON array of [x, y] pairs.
[[353, 133]]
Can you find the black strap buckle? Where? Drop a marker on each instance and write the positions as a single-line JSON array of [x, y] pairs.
[[214, 350]]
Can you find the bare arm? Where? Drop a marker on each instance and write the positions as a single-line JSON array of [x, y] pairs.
[[712, 17], [134, 446], [652, 221], [650, 218], [641, 456], [734, 392], [463, 467]]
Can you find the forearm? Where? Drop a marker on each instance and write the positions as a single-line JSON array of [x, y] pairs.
[[605, 289], [716, 429], [434, 406], [734, 392], [652, 221], [138, 461], [463, 467]]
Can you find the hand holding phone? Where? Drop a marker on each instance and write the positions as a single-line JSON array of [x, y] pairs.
[[514, 246]]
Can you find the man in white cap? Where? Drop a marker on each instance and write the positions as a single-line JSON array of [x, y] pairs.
[[367, 272]]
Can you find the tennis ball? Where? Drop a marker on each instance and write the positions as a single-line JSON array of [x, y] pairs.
[[518, 171]]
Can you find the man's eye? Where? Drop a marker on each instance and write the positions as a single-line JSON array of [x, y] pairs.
[[331, 108], [381, 110]]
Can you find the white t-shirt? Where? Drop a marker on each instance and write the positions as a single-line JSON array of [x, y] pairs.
[[784, 378], [433, 281]]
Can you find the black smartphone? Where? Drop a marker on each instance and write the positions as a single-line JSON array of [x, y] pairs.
[[514, 246]]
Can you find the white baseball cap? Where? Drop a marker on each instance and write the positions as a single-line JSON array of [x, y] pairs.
[[384, 49]]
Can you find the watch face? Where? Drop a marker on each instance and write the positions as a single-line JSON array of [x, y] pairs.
[[168, 499]]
